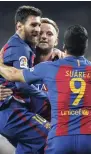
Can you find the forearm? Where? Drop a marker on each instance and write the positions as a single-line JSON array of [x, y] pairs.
[[11, 73]]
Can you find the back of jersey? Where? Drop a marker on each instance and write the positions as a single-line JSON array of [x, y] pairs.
[[71, 109]]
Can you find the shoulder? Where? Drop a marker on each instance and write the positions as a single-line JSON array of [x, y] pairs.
[[53, 63], [45, 64], [15, 45], [12, 43], [15, 41], [87, 62]]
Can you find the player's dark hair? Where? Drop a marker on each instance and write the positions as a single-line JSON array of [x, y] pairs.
[[23, 12], [76, 40]]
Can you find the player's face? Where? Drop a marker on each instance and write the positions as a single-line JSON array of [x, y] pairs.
[[48, 36], [32, 29]]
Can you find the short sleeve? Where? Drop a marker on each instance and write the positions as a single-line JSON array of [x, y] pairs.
[[35, 73]]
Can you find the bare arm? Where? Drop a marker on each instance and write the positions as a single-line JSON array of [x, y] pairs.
[[11, 73]]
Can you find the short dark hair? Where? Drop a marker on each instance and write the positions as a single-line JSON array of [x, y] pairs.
[[51, 22], [23, 12], [76, 40]]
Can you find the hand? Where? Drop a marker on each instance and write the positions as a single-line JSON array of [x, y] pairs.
[[4, 92], [57, 54], [1, 56]]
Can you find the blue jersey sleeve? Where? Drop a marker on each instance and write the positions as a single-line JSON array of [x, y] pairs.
[[35, 73], [19, 58], [15, 53]]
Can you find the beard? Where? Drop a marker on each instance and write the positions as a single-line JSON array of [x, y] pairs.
[[43, 51], [31, 39]]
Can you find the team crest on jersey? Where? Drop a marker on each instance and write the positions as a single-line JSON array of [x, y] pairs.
[[23, 62], [31, 69]]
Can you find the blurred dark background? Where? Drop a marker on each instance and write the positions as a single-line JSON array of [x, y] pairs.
[[65, 13]]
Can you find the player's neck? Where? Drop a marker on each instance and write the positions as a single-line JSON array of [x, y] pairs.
[[20, 35], [67, 55], [43, 52], [42, 55], [46, 57]]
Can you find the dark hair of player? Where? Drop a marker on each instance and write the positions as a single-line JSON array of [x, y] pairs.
[[76, 40], [23, 12]]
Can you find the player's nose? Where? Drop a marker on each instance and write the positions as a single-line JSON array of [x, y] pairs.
[[43, 36]]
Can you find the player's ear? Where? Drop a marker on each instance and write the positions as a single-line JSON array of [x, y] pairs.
[[19, 26], [56, 42]]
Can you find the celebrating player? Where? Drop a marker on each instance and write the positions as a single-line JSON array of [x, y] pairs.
[[45, 51], [24, 129], [69, 85], [17, 53]]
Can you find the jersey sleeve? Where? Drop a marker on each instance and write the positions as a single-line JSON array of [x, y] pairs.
[[35, 73], [26, 89], [15, 54], [31, 90], [19, 59]]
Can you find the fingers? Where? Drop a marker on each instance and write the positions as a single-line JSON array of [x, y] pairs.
[[53, 55], [3, 88], [1, 55], [4, 92], [62, 54], [3, 98], [57, 53]]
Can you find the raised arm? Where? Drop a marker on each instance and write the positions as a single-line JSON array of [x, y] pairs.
[[29, 75]]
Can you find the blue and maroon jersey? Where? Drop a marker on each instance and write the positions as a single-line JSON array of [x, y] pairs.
[[20, 55], [69, 86], [41, 106]]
